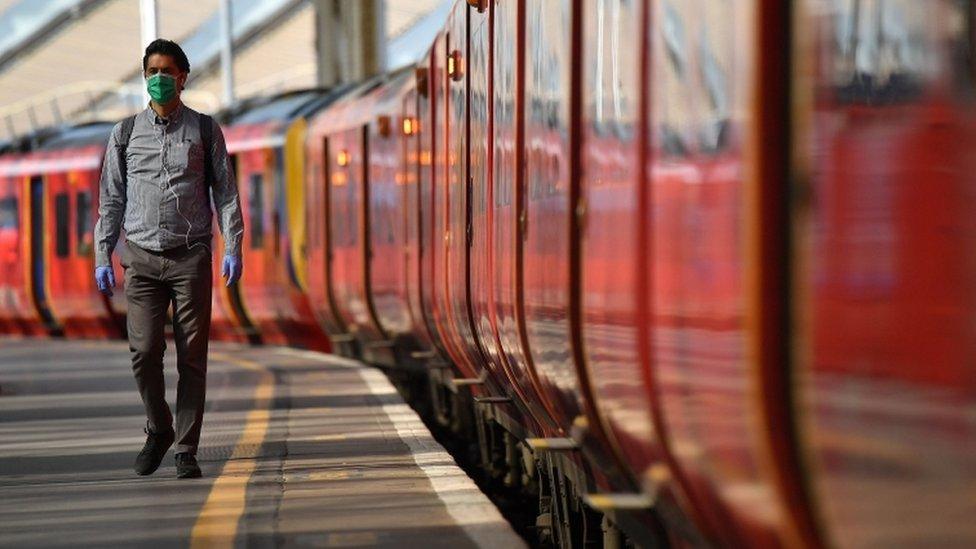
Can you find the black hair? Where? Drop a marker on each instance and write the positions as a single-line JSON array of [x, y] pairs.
[[166, 47]]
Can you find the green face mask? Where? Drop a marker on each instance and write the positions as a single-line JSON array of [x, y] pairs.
[[161, 87]]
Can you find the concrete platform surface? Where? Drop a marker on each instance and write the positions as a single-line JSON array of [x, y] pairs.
[[299, 449]]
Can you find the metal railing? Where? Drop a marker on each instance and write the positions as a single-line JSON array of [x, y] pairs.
[[79, 102]]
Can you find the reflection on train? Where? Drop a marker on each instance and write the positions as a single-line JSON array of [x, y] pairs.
[[689, 273]]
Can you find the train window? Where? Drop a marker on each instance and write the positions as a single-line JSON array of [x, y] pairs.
[[672, 144], [547, 97], [971, 39], [674, 40], [610, 63], [503, 69], [83, 223], [674, 100], [62, 213], [256, 203], [9, 214], [964, 49], [277, 182], [715, 58], [323, 215], [881, 55], [276, 232]]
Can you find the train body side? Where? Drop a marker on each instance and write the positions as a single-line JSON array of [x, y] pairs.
[[884, 269]]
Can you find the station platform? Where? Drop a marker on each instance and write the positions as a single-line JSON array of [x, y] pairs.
[[299, 449]]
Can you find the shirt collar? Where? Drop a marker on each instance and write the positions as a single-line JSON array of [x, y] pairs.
[[173, 116]]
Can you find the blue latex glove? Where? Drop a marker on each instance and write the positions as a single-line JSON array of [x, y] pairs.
[[105, 279], [232, 269]]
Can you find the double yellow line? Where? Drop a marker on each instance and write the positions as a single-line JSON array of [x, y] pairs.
[[217, 523]]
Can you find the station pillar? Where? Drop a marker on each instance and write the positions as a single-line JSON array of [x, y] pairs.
[[350, 40]]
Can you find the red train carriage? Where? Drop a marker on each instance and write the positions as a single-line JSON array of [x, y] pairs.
[[457, 199], [428, 77], [18, 309], [446, 255], [413, 227], [507, 208], [469, 250], [320, 150], [584, 209], [613, 127], [347, 167], [543, 204], [50, 207], [884, 269], [532, 419], [11, 275], [713, 342], [267, 144], [343, 137], [386, 222]]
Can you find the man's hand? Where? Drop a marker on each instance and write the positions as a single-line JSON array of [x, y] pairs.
[[104, 279], [232, 269]]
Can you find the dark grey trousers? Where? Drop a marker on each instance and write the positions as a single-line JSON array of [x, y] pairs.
[[153, 280]]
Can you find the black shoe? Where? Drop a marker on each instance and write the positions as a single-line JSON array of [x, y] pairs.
[[186, 466], [152, 453]]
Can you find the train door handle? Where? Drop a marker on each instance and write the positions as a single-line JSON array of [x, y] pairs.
[[469, 228], [524, 225], [581, 213]]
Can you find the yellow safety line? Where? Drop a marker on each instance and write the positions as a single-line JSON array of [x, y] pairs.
[[216, 525]]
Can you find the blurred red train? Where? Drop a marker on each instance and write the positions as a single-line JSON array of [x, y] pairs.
[[690, 272]]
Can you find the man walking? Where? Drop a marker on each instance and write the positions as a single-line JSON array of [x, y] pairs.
[[161, 168]]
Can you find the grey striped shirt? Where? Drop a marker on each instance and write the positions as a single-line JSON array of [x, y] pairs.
[[162, 202]]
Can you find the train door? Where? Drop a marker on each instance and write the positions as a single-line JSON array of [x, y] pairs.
[[320, 238], [255, 288], [611, 244], [441, 235], [428, 120], [546, 253], [388, 288], [350, 231], [884, 268], [16, 301], [479, 193], [716, 342], [375, 338], [458, 187], [413, 221], [38, 253], [230, 318], [480, 229], [507, 208]]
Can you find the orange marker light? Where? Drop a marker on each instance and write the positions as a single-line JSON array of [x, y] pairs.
[[455, 68], [342, 159], [409, 126]]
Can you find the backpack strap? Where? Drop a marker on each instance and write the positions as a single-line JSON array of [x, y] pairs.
[[206, 138], [124, 136]]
